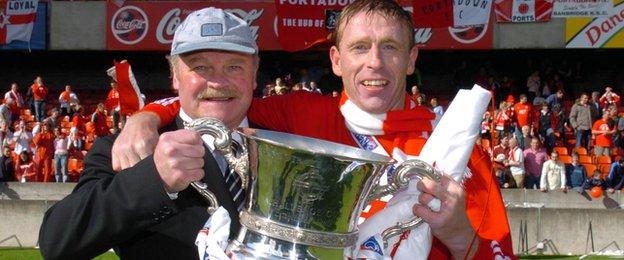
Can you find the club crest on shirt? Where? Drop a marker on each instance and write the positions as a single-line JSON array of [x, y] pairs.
[[367, 142], [372, 245]]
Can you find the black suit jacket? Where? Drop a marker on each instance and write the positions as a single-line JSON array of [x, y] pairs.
[[130, 212]]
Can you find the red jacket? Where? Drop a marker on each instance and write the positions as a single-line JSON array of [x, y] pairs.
[[484, 204], [39, 92]]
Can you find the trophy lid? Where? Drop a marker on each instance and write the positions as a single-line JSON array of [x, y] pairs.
[[313, 145]]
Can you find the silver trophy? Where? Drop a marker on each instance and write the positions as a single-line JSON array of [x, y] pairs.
[[304, 195]]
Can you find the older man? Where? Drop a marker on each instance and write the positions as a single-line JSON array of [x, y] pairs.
[[148, 211], [373, 53]]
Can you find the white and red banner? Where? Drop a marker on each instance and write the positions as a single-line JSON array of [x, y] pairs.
[[148, 25], [582, 8], [472, 12], [523, 11], [130, 99], [17, 18]]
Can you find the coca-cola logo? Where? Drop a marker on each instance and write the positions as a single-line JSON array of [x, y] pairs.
[[129, 25]]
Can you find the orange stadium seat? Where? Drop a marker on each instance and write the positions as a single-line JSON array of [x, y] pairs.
[[604, 168], [561, 150], [74, 168], [603, 159], [585, 159], [581, 150], [566, 159], [590, 168]]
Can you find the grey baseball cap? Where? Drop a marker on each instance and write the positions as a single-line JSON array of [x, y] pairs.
[[213, 29]]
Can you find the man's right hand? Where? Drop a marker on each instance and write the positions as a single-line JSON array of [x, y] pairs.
[[179, 159], [136, 140]]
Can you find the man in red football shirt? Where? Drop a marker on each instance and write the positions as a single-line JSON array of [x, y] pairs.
[[374, 52]]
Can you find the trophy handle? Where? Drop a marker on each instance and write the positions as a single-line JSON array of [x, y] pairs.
[[404, 172], [224, 144]]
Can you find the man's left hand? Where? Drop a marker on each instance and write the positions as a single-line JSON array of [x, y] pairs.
[[450, 225]]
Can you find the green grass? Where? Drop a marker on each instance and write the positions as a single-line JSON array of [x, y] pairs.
[[31, 253]]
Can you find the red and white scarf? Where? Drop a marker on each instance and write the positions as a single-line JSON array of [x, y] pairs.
[[400, 134], [404, 131]]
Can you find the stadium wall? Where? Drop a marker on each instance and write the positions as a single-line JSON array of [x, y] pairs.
[[562, 218], [81, 25]]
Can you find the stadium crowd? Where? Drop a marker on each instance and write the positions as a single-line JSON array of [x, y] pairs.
[[539, 136]]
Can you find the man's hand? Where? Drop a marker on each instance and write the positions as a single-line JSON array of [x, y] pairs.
[[450, 225], [136, 140], [179, 159]]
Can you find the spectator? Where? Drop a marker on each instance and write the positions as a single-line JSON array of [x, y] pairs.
[[67, 100], [7, 171], [39, 94], [77, 132], [506, 87], [420, 100], [555, 99], [553, 174], [99, 120], [581, 121], [515, 162], [523, 112], [335, 93], [22, 139], [533, 85], [546, 121], [561, 122], [437, 109], [503, 119], [44, 143], [313, 88], [26, 171], [112, 103], [604, 136], [280, 87], [609, 98], [534, 159], [524, 140], [595, 103], [501, 152], [595, 181], [615, 179], [415, 93], [53, 119], [5, 112], [60, 155], [576, 174], [297, 87], [18, 100], [6, 135]]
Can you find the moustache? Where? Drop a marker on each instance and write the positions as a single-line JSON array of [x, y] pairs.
[[209, 93]]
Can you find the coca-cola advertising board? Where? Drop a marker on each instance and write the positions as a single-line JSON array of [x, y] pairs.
[[146, 25]]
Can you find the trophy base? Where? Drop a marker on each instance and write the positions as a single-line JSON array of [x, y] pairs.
[[253, 245]]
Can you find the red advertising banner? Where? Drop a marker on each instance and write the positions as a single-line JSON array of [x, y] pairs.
[[149, 25], [146, 25], [433, 13]]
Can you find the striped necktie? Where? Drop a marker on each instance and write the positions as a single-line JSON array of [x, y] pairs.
[[234, 185]]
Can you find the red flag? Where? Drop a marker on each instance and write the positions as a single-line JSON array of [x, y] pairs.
[[433, 13], [130, 99], [484, 204], [17, 18]]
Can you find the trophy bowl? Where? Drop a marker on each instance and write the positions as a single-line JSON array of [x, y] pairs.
[[304, 195]]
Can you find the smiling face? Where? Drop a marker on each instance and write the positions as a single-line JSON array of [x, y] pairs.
[[373, 57], [215, 84]]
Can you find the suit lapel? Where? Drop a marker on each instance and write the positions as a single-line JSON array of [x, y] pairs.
[[213, 177]]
